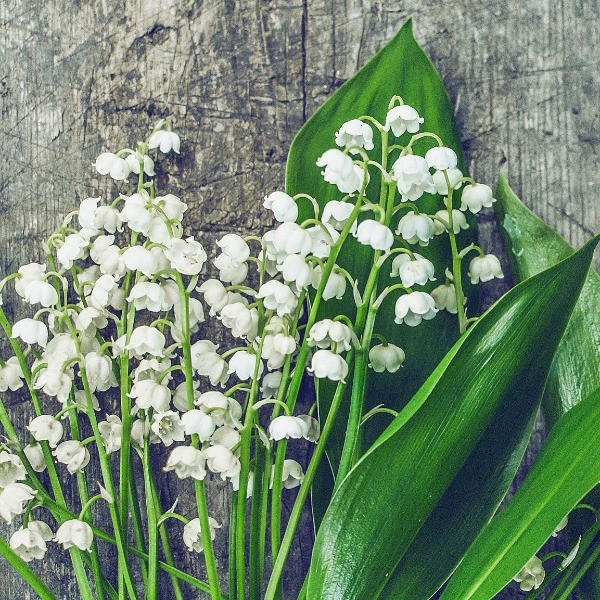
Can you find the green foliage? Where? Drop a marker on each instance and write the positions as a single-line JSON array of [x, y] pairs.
[[490, 382]]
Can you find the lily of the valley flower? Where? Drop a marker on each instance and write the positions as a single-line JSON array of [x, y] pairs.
[[192, 534], [11, 375], [336, 214], [197, 422], [46, 428], [355, 133], [414, 307], [222, 461], [327, 333], [186, 256], [168, 427], [108, 163], [531, 576], [29, 543], [111, 432], [278, 297], [146, 340], [416, 228], [11, 469], [13, 499], [403, 118], [374, 234], [287, 427], [339, 170], [412, 272], [73, 454], [151, 394], [386, 357], [35, 456], [476, 196], [282, 205], [75, 533], [165, 140], [187, 461], [445, 298], [326, 364], [412, 176], [485, 268], [31, 331]]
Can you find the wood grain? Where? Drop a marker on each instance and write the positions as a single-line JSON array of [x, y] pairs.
[[239, 78]]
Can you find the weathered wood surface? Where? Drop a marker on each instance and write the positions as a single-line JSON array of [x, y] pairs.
[[240, 77]]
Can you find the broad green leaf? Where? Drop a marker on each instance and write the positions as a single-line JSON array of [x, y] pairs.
[[533, 246], [499, 364], [567, 468], [400, 68]]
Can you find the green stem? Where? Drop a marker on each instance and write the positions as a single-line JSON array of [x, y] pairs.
[[152, 587], [304, 490], [256, 517], [138, 531]]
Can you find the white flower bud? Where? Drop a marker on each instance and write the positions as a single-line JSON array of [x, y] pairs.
[[222, 461], [150, 394], [11, 469], [187, 462], [485, 268], [441, 185], [386, 357], [165, 140], [46, 428], [531, 576], [197, 422], [412, 272], [35, 456], [234, 246], [374, 234], [414, 307], [441, 158], [108, 163], [476, 196], [111, 432], [412, 177], [29, 543], [215, 295], [403, 118], [339, 171], [326, 364], [445, 298], [13, 499], [186, 256], [192, 535], [30, 331], [75, 533], [284, 207], [277, 296], [73, 454], [416, 228], [459, 221]]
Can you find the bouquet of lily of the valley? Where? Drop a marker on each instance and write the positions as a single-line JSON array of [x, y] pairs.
[[367, 285]]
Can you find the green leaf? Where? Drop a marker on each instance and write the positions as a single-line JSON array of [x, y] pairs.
[[533, 246], [492, 372], [567, 468], [400, 68]]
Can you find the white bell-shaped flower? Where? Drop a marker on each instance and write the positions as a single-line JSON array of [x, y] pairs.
[[282, 205], [148, 295], [11, 469], [151, 394], [75, 533], [231, 270], [11, 375], [54, 382], [171, 206], [441, 185], [445, 298], [296, 270], [326, 364], [314, 429], [220, 460], [107, 218], [459, 221], [386, 357], [192, 534], [46, 428], [235, 246], [168, 427], [270, 384], [13, 499], [146, 340], [328, 333], [135, 160], [291, 475], [416, 228], [73, 454], [287, 427], [355, 133], [215, 295], [140, 259], [73, 248], [339, 170], [221, 409], [485, 268], [187, 461], [209, 363], [412, 177], [165, 140], [278, 297], [288, 238], [374, 234], [109, 163], [403, 118], [323, 238], [531, 576], [99, 371], [29, 543], [335, 286], [30, 331], [197, 422], [41, 292], [417, 271], [226, 436], [476, 196], [187, 256], [336, 214], [241, 320], [35, 456], [136, 214], [414, 307], [244, 364], [111, 432], [28, 274], [441, 158]]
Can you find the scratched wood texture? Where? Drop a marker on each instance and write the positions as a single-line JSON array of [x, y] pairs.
[[239, 78]]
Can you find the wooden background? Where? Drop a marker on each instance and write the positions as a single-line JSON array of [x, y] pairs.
[[240, 76]]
